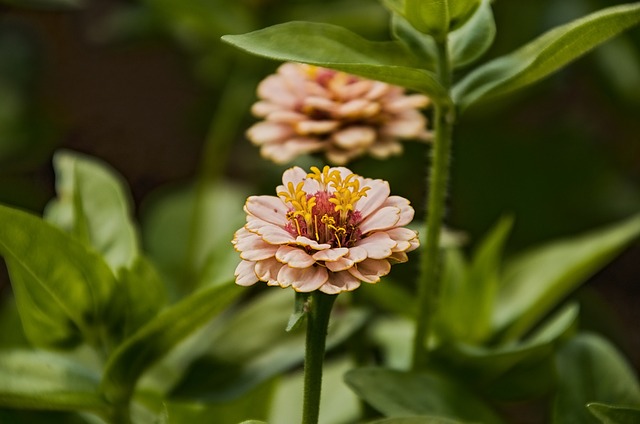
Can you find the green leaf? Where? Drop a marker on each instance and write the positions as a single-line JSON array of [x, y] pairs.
[[155, 339], [47, 381], [94, 204], [338, 48], [397, 394], [615, 414], [428, 16], [141, 295], [62, 289], [417, 420], [252, 346], [299, 312], [422, 45], [536, 281], [544, 55], [473, 39], [590, 369]]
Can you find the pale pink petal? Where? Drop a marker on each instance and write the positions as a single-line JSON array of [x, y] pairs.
[[386, 148], [357, 254], [354, 137], [398, 257], [293, 175], [342, 157], [267, 270], [245, 275], [322, 104], [303, 279], [404, 128], [307, 242], [378, 245], [376, 195], [402, 236], [330, 255], [354, 90], [255, 249], [340, 264], [407, 102], [294, 257], [378, 89], [269, 232], [315, 127], [382, 219], [266, 132], [358, 108], [275, 89], [340, 282], [286, 117], [267, 208], [415, 243], [370, 270], [406, 211], [264, 108]]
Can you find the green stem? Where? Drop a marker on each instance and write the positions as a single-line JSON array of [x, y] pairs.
[[429, 281], [317, 325]]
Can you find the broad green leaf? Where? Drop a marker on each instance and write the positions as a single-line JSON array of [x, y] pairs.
[[47, 381], [394, 338], [397, 394], [536, 281], [505, 371], [338, 48], [156, 338], [590, 369], [428, 16], [206, 255], [615, 414], [422, 45], [94, 204], [141, 295], [460, 11], [396, 6], [252, 346], [473, 39], [544, 55], [62, 289], [11, 332], [416, 420]]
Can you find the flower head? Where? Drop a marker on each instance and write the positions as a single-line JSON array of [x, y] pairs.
[[309, 109], [326, 230]]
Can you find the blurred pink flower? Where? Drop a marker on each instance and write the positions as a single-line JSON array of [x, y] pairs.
[[327, 230], [310, 109]]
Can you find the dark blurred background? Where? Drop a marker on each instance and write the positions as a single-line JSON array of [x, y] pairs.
[[147, 86]]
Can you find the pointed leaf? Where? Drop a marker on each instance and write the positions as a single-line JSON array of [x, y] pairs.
[[544, 55], [94, 203], [473, 39], [63, 290], [536, 281], [615, 414], [337, 48], [396, 394], [428, 16], [47, 381], [155, 339], [422, 45], [590, 369]]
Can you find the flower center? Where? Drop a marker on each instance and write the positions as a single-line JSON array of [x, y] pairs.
[[328, 215]]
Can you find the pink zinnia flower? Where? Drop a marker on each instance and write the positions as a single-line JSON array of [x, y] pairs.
[[327, 230], [309, 109]]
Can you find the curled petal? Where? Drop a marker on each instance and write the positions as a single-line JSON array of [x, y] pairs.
[[398, 257], [370, 270], [307, 242], [274, 88], [407, 102], [267, 208], [340, 264], [330, 255], [406, 211], [378, 245], [339, 282], [354, 137], [382, 219], [357, 254], [267, 270], [303, 279], [245, 275], [386, 148], [294, 257], [315, 127], [403, 237], [266, 132], [270, 233]]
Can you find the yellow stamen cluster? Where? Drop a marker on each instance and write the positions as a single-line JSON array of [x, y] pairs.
[[302, 205], [347, 192]]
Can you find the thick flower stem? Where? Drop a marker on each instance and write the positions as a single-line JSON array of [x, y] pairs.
[[429, 281], [317, 325]]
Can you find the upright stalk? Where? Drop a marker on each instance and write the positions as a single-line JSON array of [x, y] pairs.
[[440, 156], [317, 325]]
